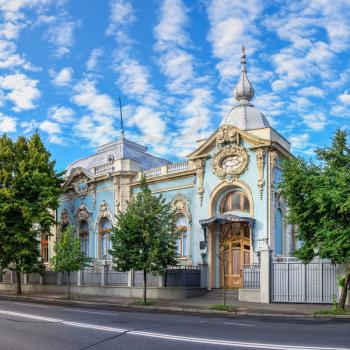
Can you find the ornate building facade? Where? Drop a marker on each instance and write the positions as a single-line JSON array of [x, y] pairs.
[[225, 194]]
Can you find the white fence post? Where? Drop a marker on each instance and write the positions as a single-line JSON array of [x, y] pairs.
[[104, 269], [80, 278], [265, 275], [131, 278]]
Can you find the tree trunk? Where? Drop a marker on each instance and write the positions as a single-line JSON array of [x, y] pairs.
[[344, 290], [144, 286], [18, 282], [68, 285]]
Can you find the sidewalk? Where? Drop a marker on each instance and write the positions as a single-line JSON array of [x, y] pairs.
[[190, 305]]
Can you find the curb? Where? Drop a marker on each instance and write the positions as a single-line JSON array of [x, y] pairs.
[[52, 301]]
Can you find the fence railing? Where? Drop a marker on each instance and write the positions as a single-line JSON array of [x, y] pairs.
[[104, 276], [295, 282], [251, 276]]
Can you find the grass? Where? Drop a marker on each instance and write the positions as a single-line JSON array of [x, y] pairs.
[[143, 303], [333, 312], [222, 307]]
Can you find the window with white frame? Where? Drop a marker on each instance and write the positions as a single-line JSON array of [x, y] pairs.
[[105, 228], [181, 243]]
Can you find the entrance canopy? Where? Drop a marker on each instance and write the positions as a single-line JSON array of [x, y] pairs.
[[226, 218]]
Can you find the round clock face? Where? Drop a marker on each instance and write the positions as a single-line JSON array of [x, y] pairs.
[[232, 162]]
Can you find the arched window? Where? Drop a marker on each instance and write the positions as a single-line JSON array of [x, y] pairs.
[[181, 243], [84, 237], [235, 200], [105, 228], [279, 233], [45, 248]]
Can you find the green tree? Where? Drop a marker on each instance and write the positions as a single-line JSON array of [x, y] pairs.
[[318, 197], [29, 189], [68, 256], [145, 235]]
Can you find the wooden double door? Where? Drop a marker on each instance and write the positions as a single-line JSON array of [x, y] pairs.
[[235, 245]]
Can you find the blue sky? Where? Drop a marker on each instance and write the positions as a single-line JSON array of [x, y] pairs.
[[174, 63]]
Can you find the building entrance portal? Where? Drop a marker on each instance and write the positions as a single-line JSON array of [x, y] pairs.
[[234, 250]]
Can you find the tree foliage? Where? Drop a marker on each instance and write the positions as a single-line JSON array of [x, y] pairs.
[[68, 256], [145, 235], [318, 197], [29, 189]]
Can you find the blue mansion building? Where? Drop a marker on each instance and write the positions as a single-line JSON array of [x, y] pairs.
[[226, 191]]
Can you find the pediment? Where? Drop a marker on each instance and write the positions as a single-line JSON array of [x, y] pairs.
[[226, 134], [79, 182]]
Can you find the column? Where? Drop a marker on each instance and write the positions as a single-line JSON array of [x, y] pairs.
[[104, 271], [265, 275]]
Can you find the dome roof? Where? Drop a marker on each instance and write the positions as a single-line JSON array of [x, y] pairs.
[[244, 115]]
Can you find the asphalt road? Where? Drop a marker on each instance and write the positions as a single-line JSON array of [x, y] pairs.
[[38, 326]]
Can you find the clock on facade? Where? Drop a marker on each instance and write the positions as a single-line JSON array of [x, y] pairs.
[[230, 160]]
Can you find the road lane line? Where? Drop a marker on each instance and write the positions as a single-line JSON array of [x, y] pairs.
[[250, 345], [34, 305]]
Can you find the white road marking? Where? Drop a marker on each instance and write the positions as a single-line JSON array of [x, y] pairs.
[[251, 345], [92, 312], [230, 323]]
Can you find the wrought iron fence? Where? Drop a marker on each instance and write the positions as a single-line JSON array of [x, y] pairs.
[[183, 276], [295, 282], [251, 276]]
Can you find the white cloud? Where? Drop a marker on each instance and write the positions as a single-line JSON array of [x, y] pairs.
[[231, 24], [61, 114], [344, 98], [121, 14], [7, 124], [61, 35], [50, 127], [170, 29], [96, 132], [311, 91], [20, 90], [300, 141], [86, 95], [93, 59], [63, 77], [29, 126], [315, 121]]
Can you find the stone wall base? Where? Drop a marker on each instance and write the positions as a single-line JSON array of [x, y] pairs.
[[110, 291], [250, 295]]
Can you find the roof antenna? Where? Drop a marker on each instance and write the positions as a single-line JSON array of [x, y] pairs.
[[121, 119]]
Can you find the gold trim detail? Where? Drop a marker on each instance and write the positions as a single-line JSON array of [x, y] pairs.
[[227, 134], [260, 160], [233, 150], [200, 166]]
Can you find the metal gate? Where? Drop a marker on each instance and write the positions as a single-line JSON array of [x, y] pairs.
[[295, 282]]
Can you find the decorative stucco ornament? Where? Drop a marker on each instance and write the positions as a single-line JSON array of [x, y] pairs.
[[181, 205], [260, 160], [104, 212], [200, 166], [64, 219], [230, 161], [82, 213], [227, 133]]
